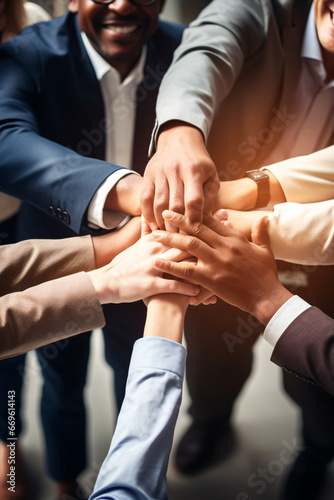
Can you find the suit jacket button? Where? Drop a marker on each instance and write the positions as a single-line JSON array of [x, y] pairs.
[[59, 213], [66, 218], [52, 210]]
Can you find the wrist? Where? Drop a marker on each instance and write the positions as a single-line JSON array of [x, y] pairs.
[[102, 280], [165, 316], [182, 131], [270, 303], [125, 195], [261, 180]]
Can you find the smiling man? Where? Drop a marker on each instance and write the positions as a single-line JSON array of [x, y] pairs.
[[77, 103]]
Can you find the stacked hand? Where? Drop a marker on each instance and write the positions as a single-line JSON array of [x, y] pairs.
[[240, 272]]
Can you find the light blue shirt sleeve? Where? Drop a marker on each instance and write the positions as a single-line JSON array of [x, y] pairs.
[[136, 465]]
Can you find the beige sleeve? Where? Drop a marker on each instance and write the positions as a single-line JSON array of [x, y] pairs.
[[47, 313], [31, 262], [307, 179], [303, 233]]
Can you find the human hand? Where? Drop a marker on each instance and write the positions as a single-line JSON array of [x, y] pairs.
[[240, 272], [180, 176], [132, 276], [125, 195], [107, 246]]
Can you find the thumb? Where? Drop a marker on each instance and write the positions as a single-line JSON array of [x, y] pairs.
[[259, 232]]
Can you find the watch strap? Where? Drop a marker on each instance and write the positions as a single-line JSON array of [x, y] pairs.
[[263, 191]]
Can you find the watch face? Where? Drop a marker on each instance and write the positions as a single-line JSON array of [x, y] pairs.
[[257, 174]]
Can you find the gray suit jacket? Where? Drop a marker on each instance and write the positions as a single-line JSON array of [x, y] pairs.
[[234, 76], [306, 348]]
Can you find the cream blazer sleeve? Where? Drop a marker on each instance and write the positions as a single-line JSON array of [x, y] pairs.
[[33, 314], [302, 230], [303, 233], [307, 179]]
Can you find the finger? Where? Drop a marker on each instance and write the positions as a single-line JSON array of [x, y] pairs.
[[188, 243], [175, 255], [210, 300], [194, 199], [161, 200], [182, 270], [176, 192], [221, 215], [163, 285], [259, 232], [204, 297], [210, 189], [145, 227], [147, 200], [206, 232]]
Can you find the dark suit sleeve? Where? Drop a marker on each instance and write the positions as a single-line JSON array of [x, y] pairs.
[[306, 348], [33, 168]]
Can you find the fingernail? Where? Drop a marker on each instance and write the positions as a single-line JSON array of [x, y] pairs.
[[157, 234], [167, 214], [153, 226]]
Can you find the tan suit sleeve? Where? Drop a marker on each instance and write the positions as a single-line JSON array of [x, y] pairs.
[[31, 262], [307, 179], [34, 314], [47, 313], [303, 233]]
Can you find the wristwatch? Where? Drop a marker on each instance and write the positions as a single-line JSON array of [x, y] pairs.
[[263, 191]]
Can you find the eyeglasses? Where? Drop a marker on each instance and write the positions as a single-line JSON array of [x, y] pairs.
[[143, 3]]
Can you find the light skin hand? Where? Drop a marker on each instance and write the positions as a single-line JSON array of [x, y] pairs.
[[180, 176], [125, 195], [132, 276], [107, 246], [240, 272]]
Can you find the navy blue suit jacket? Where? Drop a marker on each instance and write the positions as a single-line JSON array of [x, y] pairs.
[[52, 141]]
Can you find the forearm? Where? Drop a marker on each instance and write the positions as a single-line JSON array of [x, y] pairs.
[[47, 313], [243, 221], [106, 247], [242, 193], [165, 317], [125, 196]]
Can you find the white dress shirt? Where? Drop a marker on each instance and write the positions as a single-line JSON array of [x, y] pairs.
[[119, 99], [283, 318]]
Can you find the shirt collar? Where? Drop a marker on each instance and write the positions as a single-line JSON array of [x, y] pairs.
[[311, 46], [101, 67], [311, 49]]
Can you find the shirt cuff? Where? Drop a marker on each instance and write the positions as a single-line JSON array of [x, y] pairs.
[[159, 353], [289, 311], [97, 216]]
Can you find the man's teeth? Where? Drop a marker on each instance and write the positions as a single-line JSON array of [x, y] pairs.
[[123, 29]]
